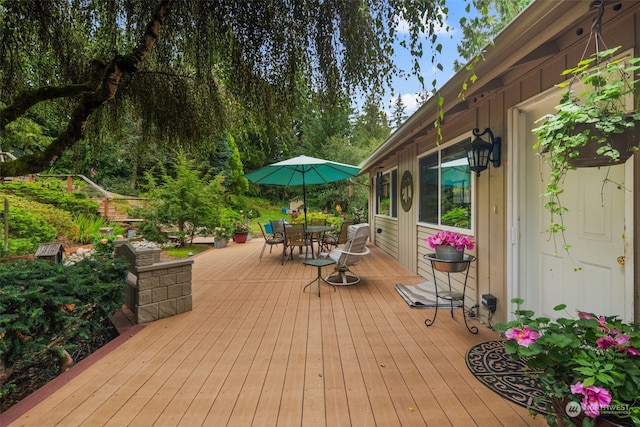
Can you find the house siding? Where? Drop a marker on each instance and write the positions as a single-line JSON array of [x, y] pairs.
[[489, 106]]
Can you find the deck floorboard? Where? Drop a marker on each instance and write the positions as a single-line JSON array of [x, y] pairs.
[[258, 351]]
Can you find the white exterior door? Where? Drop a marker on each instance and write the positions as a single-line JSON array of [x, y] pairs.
[[594, 275]]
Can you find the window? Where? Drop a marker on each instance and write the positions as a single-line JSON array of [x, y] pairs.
[[386, 193], [445, 187]]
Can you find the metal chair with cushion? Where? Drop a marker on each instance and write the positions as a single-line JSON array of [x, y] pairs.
[[354, 249], [277, 230], [269, 240], [277, 227]]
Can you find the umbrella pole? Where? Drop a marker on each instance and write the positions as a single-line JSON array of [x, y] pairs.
[[304, 199]]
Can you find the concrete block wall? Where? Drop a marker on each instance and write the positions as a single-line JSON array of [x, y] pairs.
[[155, 289]]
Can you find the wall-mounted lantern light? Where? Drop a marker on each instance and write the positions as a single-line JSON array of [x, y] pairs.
[[480, 152]]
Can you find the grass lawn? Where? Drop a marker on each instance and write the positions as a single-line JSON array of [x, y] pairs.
[[194, 249]]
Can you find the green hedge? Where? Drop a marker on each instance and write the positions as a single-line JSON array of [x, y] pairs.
[[47, 310], [51, 192]]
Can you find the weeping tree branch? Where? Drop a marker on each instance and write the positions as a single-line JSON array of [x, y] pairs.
[[92, 98]]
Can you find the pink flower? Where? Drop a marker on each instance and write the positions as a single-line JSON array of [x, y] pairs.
[[451, 238], [524, 337], [605, 342], [594, 398], [620, 342], [633, 351], [621, 339]]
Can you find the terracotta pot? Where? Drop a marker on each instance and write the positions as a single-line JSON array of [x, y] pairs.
[[240, 237], [623, 142]]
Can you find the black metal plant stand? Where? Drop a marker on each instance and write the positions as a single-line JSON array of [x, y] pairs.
[[448, 266]]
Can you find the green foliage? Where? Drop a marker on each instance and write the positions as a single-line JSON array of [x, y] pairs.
[[59, 219], [255, 84], [398, 114], [185, 200], [188, 251], [27, 230], [605, 83], [103, 246], [479, 31], [87, 228], [590, 350], [51, 192], [457, 217], [238, 184], [46, 308]]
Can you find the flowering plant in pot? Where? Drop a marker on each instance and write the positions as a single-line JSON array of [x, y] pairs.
[[220, 233], [593, 118], [447, 241], [220, 237], [240, 231], [240, 227], [590, 362], [451, 238]]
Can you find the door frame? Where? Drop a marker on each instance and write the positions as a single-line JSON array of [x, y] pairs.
[[516, 208]]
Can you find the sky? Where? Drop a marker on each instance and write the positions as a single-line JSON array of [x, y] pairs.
[[409, 88]]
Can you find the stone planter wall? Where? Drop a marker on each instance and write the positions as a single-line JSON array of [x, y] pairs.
[[155, 289]]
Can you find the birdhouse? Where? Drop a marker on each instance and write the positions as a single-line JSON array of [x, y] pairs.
[[52, 252]]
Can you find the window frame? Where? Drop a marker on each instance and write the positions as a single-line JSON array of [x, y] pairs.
[[393, 189], [462, 139]]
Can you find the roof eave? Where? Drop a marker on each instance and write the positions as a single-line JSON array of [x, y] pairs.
[[542, 21]]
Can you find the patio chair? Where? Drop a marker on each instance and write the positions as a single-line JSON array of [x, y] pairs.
[[317, 237], [333, 240], [269, 240], [354, 249], [277, 230], [295, 235], [277, 227]]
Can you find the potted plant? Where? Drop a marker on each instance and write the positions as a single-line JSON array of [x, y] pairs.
[[588, 367], [240, 231], [592, 127], [220, 237], [450, 245]]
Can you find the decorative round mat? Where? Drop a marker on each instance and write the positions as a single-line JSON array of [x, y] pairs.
[[494, 368]]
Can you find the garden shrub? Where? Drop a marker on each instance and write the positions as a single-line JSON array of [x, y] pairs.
[[51, 192], [87, 228], [59, 219], [47, 310], [30, 228]]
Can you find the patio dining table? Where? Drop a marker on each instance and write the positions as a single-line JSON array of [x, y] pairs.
[[315, 231]]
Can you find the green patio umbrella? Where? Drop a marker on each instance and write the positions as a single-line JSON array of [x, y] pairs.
[[303, 170]]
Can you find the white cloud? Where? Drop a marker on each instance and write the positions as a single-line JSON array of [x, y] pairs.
[[411, 103], [402, 26]]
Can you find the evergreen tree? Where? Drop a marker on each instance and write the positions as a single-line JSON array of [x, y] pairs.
[[398, 114]]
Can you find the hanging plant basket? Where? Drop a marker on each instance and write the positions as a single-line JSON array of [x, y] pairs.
[[626, 143]]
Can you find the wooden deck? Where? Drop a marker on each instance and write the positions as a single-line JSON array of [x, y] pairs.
[[257, 351]]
